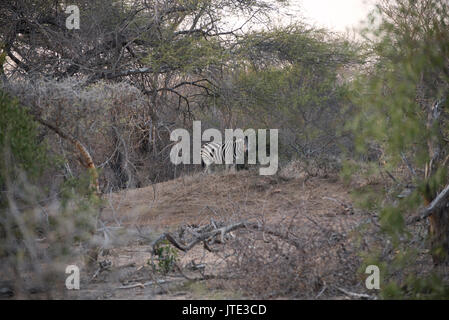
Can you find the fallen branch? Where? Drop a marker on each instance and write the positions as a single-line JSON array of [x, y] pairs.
[[215, 233], [201, 237], [164, 281], [356, 295], [143, 285]]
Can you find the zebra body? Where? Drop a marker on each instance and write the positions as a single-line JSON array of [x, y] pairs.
[[215, 153]]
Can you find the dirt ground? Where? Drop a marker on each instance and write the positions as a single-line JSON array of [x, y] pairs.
[[136, 217]]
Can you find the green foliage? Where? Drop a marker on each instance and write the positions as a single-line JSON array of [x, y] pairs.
[[430, 288], [409, 70], [28, 213], [80, 186], [167, 257], [19, 140], [288, 91], [394, 99], [288, 78], [187, 55], [23, 160], [391, 112], [300, 44]]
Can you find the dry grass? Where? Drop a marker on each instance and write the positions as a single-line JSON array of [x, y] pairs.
[[313, 212], [309, 253]]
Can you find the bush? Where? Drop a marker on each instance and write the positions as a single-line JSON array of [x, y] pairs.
[[402, 104], [19, 139], [38, 229]]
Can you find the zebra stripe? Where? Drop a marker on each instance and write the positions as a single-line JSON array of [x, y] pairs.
[[215, 153]]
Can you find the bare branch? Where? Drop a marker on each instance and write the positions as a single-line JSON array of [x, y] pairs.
[[439, 202]]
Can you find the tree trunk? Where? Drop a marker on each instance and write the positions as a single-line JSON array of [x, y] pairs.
[[439, 219], [85, 157], [439, 236]]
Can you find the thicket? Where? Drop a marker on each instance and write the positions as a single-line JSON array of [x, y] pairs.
[[40, 227], [401, 101]]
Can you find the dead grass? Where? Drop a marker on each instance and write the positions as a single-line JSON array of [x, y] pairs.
[[309, 254], [198, 198], [311, 208]]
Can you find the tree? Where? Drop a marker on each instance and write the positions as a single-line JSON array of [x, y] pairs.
[[403, 98], [172, 51], [290, 78], [155, 44]]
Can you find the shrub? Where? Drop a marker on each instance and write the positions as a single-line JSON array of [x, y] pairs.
[[19, 139]]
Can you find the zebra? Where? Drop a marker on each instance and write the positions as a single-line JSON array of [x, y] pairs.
[[215, 153]]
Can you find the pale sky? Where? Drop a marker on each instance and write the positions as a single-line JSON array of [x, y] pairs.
[[337, 15]]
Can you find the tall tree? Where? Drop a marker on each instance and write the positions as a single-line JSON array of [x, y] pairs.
[[160, 45], [403, 100], [173, 51]]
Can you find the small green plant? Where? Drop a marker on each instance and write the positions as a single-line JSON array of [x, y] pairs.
[[167, 257]]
